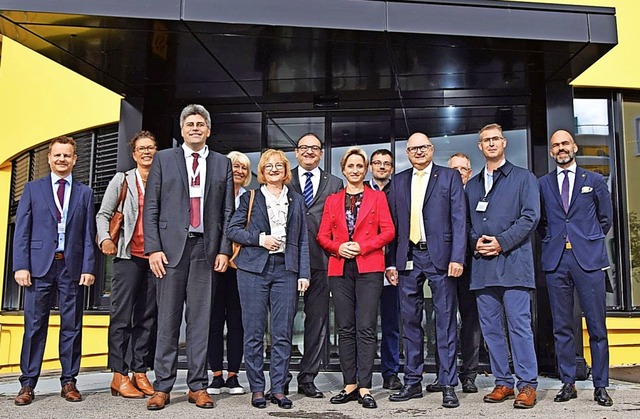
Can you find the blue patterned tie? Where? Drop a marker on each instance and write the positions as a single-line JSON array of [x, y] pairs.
[[308, 190], [564, 192]]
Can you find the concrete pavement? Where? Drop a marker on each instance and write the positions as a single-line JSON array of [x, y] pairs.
[[99, 403]]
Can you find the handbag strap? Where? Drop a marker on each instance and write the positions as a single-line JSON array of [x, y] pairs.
[[251, 197], [123, 193]]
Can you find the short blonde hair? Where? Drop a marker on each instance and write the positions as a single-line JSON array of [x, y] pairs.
[[238, 157], [264, 158], [351, 151], [488, 127]]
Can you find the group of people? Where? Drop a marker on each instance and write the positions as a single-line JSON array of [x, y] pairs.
[[369, 244]]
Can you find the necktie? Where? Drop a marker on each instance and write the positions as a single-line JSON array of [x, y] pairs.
[[417, 201], [308, 190], [60, 192], [194, 202], [564, 193]]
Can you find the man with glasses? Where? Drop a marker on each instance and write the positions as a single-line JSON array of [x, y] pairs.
[[429, 211], [314, 185], [504, 209], [381, 167]]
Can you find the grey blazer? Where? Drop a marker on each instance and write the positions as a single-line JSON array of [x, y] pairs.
[[329, 184], [166, 205], [130, 211]]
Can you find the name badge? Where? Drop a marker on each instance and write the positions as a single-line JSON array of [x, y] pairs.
[[482, 206], [409, 266], [61, 227], [195, 192]]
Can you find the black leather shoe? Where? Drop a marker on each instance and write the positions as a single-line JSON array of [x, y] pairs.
[[434, 387], [392, 382], [407, 392], [282, 402], [344, 397], [601, 396], [258, 400], [310, 390], [469, 385], [449, 398], [567, 393], [367, 401]]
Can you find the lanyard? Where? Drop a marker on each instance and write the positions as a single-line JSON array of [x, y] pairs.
[[194, 174], [63, 213], [139, 180]]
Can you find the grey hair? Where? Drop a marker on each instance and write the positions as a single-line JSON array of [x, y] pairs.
[[194, 109]]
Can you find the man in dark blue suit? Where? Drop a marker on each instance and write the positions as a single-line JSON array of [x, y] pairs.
[[577, 214], [53, 249], [429, 210]]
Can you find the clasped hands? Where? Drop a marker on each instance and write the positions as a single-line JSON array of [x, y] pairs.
[[349, 250], [488, 246]]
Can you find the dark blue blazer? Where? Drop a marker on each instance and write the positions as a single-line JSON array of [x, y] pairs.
[[444, 212], [586, 223], [36, 233], [252, 256]]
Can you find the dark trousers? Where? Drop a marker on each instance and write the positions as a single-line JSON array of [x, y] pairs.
[[445, 301], [226, 308], [37, 306], [591, 292], [316, 321], [133, 315], [191, 281], [274, 290], [470, 334], [356, 297], [494, 304], [390, 325]]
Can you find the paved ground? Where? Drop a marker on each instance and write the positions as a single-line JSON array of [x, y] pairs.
[[99, 403]]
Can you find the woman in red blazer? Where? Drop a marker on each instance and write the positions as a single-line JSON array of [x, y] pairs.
[[356, 225]]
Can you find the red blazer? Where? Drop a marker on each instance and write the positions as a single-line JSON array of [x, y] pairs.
[[374, 229]]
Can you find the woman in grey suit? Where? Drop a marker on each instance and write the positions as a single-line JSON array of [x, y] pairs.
[[273, 266], [133, 296]]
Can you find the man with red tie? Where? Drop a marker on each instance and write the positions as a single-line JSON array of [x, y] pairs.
[[189, 200], [53, 249]]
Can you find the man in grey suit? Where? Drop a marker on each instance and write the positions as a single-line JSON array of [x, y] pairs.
[[189, 200], [314, 185]]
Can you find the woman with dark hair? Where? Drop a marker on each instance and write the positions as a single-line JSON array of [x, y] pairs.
[[133, 295], [356, 225], [273, 266]]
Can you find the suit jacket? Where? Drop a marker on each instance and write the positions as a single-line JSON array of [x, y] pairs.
[[586, 223], [129, 210], [252, 256], [444, 212], [36, 234], [167, 210], [511, 216], [373, 230], [329, 184]]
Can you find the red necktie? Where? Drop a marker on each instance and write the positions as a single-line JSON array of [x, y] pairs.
[[194, 219], [61, 184]]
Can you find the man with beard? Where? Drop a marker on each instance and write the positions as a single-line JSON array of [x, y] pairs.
[[577, 214]]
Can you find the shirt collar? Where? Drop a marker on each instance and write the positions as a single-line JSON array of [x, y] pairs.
[[426, 170], [571, 168], [55, 178], [204, 151], [315, 171]]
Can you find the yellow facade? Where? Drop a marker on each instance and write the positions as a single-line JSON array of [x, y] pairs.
[[39, 100]]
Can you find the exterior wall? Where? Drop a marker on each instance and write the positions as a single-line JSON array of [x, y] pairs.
[[39, 100]]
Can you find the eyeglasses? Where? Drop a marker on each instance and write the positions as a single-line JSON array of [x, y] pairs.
[[305, 148], [269, 167], [488, 140], [148, 149], [421, 148], [382, 163]]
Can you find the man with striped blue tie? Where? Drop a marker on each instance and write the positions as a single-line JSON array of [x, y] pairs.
[[314, 185]]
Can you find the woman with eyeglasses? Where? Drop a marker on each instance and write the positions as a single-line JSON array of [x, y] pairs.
[[356, 225], [226, 306], [273, 266], [133, 293]]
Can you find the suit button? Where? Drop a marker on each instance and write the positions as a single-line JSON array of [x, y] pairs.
[[484, 219], [566, 220]]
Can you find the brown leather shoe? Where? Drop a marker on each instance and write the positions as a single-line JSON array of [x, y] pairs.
[[141, 382], [526, 398], [121, 386], [70, 392], [158, 401], [202, 399], [499, 394], [25, 396]]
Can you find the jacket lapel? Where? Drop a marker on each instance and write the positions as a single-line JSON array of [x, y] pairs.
[[435, 172], [578, 183], [295, 181], [324, 180], [365, 206], [74, 199], [182, 167], [47, 192], [260, 201]]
